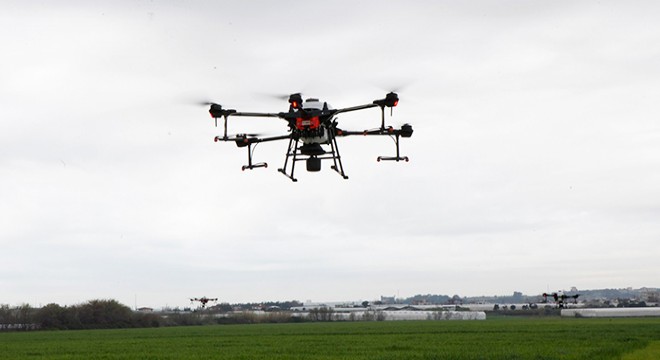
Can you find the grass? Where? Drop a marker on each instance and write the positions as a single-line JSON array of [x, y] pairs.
[[651, 352], [501, 338]]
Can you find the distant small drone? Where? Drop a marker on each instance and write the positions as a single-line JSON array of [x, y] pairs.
[[203, 300], [312, 124], [560, 298]]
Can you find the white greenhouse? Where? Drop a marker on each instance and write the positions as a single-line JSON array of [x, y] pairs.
[[612, 312]]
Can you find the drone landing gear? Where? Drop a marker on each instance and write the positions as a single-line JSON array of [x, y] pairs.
[[396, 158], [336, 158], [291, 151], [313, 160], [250, 165]]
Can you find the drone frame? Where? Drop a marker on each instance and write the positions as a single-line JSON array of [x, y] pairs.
[[329, 130]]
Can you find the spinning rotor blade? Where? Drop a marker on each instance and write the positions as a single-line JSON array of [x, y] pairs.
[[393, 85], [279, 96], [240, 136], [249, 135], [295, 99]]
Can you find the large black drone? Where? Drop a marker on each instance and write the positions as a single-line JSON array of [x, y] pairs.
[[312, 124]]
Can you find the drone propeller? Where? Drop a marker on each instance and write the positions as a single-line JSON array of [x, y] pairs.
[[393, 85], [278, 96], [295, 99], [396, 89], [250, 135], [200, 101], [285, 96], [239, 137]]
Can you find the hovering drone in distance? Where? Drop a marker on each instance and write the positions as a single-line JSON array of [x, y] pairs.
[[560, 298], [203, 300], [312, 124]]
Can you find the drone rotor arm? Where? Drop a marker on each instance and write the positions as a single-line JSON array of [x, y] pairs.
[[256, 114], [355, 108], [341, 132], [243, 140], [272, 138], [404, 131]]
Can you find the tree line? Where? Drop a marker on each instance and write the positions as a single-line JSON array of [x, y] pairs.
[[110, 314], [94, 314]]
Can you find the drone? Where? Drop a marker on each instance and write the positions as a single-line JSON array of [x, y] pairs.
[[312, 133], [203, 300], [560, 298]]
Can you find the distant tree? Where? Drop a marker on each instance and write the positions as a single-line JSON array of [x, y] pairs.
[[25, 316], [6, 316], [53, 316], [455, 300], [105, 314], [222, 308], [321, 314], [144, 320], [380, 316]]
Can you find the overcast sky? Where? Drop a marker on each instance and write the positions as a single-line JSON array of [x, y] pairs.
[[535, 161]]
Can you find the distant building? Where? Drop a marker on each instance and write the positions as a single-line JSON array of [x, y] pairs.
[[421, 302], [649, 295], [388, 300]]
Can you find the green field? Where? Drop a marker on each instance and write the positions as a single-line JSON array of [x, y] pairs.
[[499, 338]]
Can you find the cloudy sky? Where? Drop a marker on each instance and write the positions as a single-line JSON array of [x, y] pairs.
[[535, 161]]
